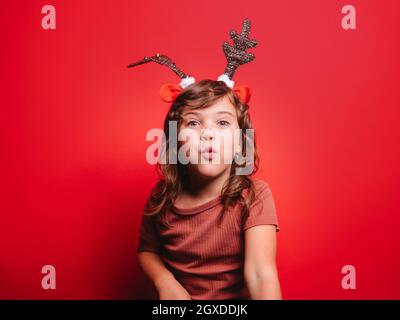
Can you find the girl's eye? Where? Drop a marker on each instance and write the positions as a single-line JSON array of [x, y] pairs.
[[192, 123], [224, 123]]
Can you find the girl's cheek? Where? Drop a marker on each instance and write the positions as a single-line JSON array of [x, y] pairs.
[[227, 141], [188, 144], [188, 136], [231, 146]]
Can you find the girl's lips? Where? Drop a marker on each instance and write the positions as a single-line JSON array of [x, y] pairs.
[[208, 153], [209, 150]]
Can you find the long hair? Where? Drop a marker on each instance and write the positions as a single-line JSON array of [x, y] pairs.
[[173, 177]]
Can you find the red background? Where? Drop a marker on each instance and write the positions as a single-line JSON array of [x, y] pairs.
[[325, 106]]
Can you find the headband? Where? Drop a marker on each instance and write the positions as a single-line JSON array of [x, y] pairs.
[[235, 54]]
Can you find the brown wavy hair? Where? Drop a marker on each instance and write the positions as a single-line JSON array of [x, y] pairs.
[[173, 177]]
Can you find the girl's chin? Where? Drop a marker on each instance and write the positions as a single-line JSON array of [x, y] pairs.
[[210, 170]]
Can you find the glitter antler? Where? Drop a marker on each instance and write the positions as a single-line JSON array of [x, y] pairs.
[[236, 55], [166, 61], [163, 60]]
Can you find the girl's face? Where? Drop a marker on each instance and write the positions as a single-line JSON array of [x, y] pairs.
[[207, 138]]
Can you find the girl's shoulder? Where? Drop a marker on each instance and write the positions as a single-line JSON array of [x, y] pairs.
[[260, 186], [260, 183], [262, 208]]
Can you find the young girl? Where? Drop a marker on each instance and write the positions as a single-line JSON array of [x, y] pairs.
[[208, 232]]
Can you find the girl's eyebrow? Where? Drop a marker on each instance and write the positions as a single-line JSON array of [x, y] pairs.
[[197, 113], [225, 112], [190, 112]]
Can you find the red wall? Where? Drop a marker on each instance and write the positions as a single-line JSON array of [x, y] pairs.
[[325, 106]]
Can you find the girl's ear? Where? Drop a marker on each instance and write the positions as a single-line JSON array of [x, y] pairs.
[[243, 92], [169, 91]]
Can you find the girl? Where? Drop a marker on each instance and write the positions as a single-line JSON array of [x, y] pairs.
[[208, 232]]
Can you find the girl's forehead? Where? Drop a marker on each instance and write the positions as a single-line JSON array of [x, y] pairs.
[[221, 106]]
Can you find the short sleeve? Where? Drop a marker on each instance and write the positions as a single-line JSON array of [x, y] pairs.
[[262, 210], [149, 239]]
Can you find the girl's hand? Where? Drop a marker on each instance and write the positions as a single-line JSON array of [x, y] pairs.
[[172, 290]]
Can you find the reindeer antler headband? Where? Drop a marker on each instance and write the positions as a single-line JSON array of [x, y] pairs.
[[236, 55]]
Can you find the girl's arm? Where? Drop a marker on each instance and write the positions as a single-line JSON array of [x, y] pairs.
[[167, 286], [260, 271]]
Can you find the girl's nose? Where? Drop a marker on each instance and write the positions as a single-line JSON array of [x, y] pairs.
[[208, 134]]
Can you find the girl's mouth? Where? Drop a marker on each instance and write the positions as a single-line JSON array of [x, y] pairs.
[[209, 150], [208, 153]]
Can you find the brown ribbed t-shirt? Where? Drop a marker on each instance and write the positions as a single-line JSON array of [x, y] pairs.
[[205, 259]]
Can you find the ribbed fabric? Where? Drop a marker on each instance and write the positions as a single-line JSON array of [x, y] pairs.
[[205, 259]]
